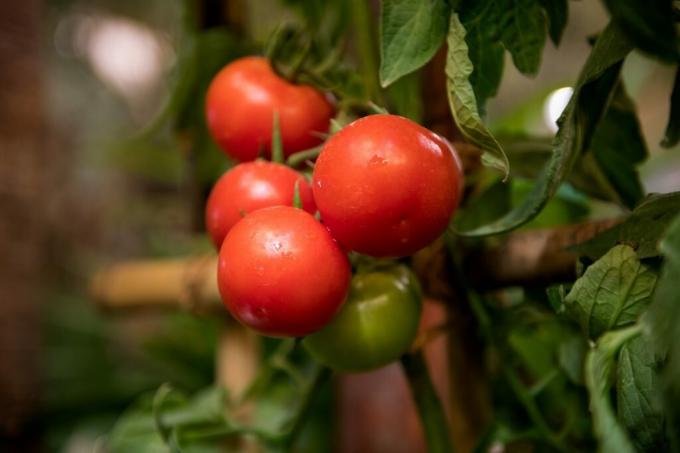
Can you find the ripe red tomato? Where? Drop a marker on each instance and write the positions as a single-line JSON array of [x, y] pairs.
[[248, 187], [385, 186], [240, 106], [281, 273]]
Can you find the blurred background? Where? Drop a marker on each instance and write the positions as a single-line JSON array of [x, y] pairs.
[[83, 185]]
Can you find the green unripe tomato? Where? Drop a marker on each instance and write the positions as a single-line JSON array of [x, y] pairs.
[[375, 326]]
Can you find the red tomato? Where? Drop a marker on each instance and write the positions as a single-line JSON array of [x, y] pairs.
[[281, 273], [248, 187], [385, 186], [240, 106]]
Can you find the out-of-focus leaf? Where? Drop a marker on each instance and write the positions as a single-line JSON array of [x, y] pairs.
[[485, 207], [557, 11], [599, 364], [639, 404], [650, 24], [672, 134], [566, 207], [410, 34], [590, 99], [522, 29], [571, 356], [612, 292], [463, 102], [663, 325], [642, 230], [484, 50], [136, 430], [618, 147]]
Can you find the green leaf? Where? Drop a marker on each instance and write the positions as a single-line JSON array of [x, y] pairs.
[[663, 321], [599, 362], [618, 146], [410, 34], [639, 405], [558, 12], [523, 28], [571, 355], [484, 50], [612, 292], [485, 207], [650, 25], [591, 96], [642, 230], [672, 134], [462, 99]]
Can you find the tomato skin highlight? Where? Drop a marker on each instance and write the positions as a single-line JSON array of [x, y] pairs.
[[281, 273], [248, 187], [386, 186], [375, 326], [240, 105]]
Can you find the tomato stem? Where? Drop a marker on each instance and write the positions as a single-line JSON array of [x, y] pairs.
[[277, 145], [321, 375], [366, 47], [429, 405], [294, 160]]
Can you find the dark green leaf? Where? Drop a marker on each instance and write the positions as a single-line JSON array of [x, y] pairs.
[[591, 95], [650, 25], [463, 102], [522, 30], [612, 292], [618, 147], [410, 34], [558, 12], [637, 389], [484, 50], [672, 134], [599, 362], [642, 230]]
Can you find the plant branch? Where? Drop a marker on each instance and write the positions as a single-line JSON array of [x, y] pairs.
[[427, 401]]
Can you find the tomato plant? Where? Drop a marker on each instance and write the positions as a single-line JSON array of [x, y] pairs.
[[375, 326], [558, 272], [385, 186], [281, 273], [244, 97], [248, 187]]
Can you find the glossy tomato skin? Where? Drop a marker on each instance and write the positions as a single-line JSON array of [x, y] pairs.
[[385, 186], [281, 273], [240, 106], [376, 325], [248, 187]]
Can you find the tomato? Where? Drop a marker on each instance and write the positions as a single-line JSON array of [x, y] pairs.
[[281, 273], [376, 325], [248, 187], [385, 186], [240, 106]]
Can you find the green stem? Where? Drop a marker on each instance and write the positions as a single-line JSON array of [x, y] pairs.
[[366, 47], [532, 409], [321, 375], [429, 406], [294, 160]]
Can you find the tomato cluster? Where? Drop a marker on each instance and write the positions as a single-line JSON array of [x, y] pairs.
[[383, 186]]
